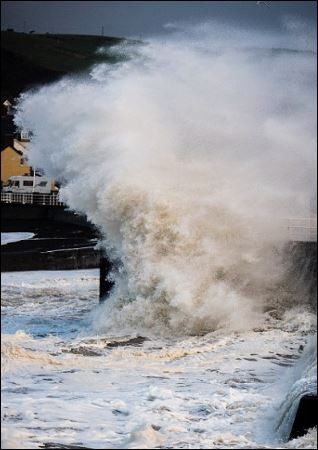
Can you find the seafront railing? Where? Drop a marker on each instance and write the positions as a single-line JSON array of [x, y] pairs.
[[31, 199], [302, 229], [298, 229]]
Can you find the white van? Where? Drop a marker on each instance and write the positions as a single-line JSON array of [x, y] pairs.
[[30, 185]]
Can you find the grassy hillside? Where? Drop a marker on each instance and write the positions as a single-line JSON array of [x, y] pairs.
[[32, 59]]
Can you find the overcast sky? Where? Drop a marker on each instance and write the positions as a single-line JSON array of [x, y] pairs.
[[144, 18]]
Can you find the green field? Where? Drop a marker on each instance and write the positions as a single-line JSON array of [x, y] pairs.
[[33, 59]]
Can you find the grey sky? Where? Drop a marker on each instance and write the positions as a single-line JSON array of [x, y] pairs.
[[143, 18]]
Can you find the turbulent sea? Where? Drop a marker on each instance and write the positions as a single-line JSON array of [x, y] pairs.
[[188, 154], [64, 384]]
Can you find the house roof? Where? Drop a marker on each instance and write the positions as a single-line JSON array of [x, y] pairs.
[[8, 98], [12, 148], [19, 145]]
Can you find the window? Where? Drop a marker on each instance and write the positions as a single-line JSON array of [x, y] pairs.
[[24, 135], [28, 183], [42, 184], [22, 161], [16, 183]]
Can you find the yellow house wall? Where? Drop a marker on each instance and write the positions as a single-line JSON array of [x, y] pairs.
[[11, 164]]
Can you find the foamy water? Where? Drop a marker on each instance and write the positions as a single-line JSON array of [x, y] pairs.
[[188, 155], [63, 384]]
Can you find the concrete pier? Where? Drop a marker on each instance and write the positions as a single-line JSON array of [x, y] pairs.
[[300, 259], [18, 211]]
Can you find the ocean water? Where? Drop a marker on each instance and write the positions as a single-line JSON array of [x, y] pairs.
[[188, 155], [64, 383], [6, 238]]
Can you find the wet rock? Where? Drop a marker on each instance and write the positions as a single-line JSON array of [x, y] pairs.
[[84, 351], [306, 416], [139, 340], [57, 445]]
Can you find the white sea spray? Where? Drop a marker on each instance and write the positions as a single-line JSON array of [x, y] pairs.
[[188, 156]]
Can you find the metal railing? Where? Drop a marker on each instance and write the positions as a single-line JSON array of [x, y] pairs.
[[31, 199], [302, 229], [298, 229]]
